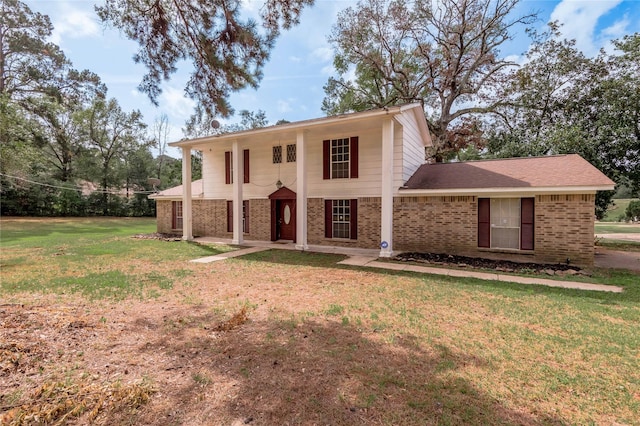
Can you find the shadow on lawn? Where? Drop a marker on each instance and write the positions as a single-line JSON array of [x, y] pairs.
[[319, 372]]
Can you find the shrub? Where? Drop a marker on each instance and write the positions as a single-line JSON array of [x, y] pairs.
[[633, 211]]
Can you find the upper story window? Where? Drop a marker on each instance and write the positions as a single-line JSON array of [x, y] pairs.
[[291, 153], [340, 158], [277, 154], [228, 166]]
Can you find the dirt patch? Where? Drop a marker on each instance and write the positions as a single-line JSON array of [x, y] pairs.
[[449, 260]]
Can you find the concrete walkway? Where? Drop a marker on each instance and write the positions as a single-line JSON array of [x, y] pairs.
[[369, 259], [229, 254], [371, 262]]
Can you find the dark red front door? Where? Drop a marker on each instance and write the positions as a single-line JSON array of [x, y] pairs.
[[286, 220]]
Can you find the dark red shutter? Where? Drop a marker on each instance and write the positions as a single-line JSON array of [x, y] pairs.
[[328, 218], [326, 159], [246, 166], [274, 215], [353, 153], [527, 215], [227, 167], [245, 203], [174, 214], [353, 211], [484, 222], [229, 216]]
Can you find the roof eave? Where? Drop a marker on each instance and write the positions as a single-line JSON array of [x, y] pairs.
[[298, 125], [541, 190]]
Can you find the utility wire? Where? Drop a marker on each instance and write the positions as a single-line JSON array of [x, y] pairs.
[[101, 191]]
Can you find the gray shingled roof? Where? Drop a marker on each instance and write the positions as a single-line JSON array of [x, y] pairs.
[[530, 172]]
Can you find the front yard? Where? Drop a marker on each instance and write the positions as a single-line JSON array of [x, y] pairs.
[[99, 327]]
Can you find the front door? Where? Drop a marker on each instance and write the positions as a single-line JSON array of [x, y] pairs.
[[286, 220]]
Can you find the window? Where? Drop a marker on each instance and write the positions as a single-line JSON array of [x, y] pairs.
[[506, 223], [245, 216], [176, 215], [341, 219], [228, 166], [277, 154], [340, 158], [291, 153]]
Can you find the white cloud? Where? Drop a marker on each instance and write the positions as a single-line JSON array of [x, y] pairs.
[[579, 19], [322, 54], [73, 23], [618, 29], [284, 105], [176, 105]]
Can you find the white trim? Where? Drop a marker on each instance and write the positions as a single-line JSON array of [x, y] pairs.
[[306, 124], [301, 191], [187, 197], [488, 192], [238, 179], [386, 183]]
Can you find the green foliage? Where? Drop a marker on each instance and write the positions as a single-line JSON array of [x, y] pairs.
[[227, 53], [404, 52], [633, 211], [58, 131], [561, 102]]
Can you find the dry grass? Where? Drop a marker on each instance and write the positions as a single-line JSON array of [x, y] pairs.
[[290, 338]]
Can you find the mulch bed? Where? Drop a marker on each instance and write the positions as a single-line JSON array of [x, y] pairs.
[[450, 260], [159, 236]]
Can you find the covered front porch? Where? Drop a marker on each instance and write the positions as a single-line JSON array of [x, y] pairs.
[[380, 162]]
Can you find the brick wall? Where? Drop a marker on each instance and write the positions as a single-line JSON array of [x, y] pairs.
[[564, 228], [259, 220], [210, 218], [164, 216], [435, 224], [368, 224], [563, 225]]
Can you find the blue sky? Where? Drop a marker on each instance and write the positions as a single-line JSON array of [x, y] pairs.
[[301, 62]]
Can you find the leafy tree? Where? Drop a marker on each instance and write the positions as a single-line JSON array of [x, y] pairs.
[[40, 87], [160, 139], [110, 134], [443, 54], [226, 52], [561, 102]]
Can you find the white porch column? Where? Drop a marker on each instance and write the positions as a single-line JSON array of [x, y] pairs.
[[386, 210], [187, 222], [301, 191], [238, 179]]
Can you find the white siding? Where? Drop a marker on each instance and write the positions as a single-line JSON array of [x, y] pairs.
[[369, 161], [408, 156], [263, 174], [413, 154]]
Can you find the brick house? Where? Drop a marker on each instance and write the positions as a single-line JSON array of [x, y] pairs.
[[360, 180]]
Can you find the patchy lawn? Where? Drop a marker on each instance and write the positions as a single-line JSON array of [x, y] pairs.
[[99, 327]]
